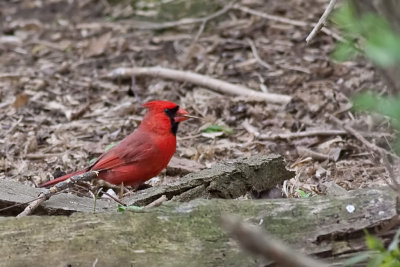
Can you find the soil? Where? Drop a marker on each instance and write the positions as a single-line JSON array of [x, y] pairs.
[[58, 112]]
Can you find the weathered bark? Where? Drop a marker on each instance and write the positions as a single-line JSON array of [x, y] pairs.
[[183, 234], [12, 193], [224, 180]]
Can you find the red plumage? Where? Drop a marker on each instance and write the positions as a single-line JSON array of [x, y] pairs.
[[144, 153]]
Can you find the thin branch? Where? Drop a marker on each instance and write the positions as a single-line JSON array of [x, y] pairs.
[[157, 202], [33, 205], [201, 80], [256, 56], [259, 242], [321, 21], [306, 152], [360, 138], [203, 25], [271, 17], [87, 176], [293, 22], [115, 199], [145, 25], [395, 186], [18, 204], [301, 134]]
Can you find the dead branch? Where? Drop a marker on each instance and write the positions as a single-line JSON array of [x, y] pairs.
[[360, 138], [306, 152], [256, 56], [201, 80], [321, 21], [301, 134], [157, 202], [87, 176], [321, 132], [293, 22], [203, 25], [259, 242]]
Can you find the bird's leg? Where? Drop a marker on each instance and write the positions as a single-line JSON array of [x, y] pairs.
[[121, 190]]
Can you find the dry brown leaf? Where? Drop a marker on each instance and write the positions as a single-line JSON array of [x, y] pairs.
[[97, 46], [20, 100]]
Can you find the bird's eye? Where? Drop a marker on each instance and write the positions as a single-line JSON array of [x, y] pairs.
[[166, 110]]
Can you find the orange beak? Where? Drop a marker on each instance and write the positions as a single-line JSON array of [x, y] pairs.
[[183, 115]]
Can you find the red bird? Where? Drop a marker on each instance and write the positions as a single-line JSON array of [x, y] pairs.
[[144, 153]]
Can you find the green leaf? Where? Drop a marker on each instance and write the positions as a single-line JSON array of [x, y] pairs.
[[344, 18], [122, 208], [344, 51], [365, 101], [368, 31], [110, 146], [302, 193], [394, 244], [374, 243], [92, 161], [357, 259], [377, 260], [387, 106], [217, 128]]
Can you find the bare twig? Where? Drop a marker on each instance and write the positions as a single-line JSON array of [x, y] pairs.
[[321, 132], [395, 186], [259, 242], [33, 205], [256, 56], [201, 80], [321, 21], [306, 152], [157, 202], [115, 199], [360, 138], [145, 25], [87, 176], [293, 22], [203, 25], [42, 155], [18, 204]]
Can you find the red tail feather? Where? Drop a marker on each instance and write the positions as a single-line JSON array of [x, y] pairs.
[[60, 179]]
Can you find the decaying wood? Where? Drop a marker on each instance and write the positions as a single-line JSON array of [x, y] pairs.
[[179, 234], [57, 188], [259, 242], [14, 193], [224, 180]]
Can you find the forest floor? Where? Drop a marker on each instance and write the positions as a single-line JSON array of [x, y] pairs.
[[58, 113]]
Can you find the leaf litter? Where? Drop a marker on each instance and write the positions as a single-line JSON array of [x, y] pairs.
[[57, 113]]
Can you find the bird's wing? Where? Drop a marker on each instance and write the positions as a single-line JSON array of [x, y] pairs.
[[127, 152]]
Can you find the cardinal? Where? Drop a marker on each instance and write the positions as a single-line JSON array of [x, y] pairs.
[[144, 153]]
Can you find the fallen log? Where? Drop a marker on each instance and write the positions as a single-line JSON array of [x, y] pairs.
[[223, 180], [183, 234], [14, 197]]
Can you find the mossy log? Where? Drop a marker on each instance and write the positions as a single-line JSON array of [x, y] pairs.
[[189, 234]]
